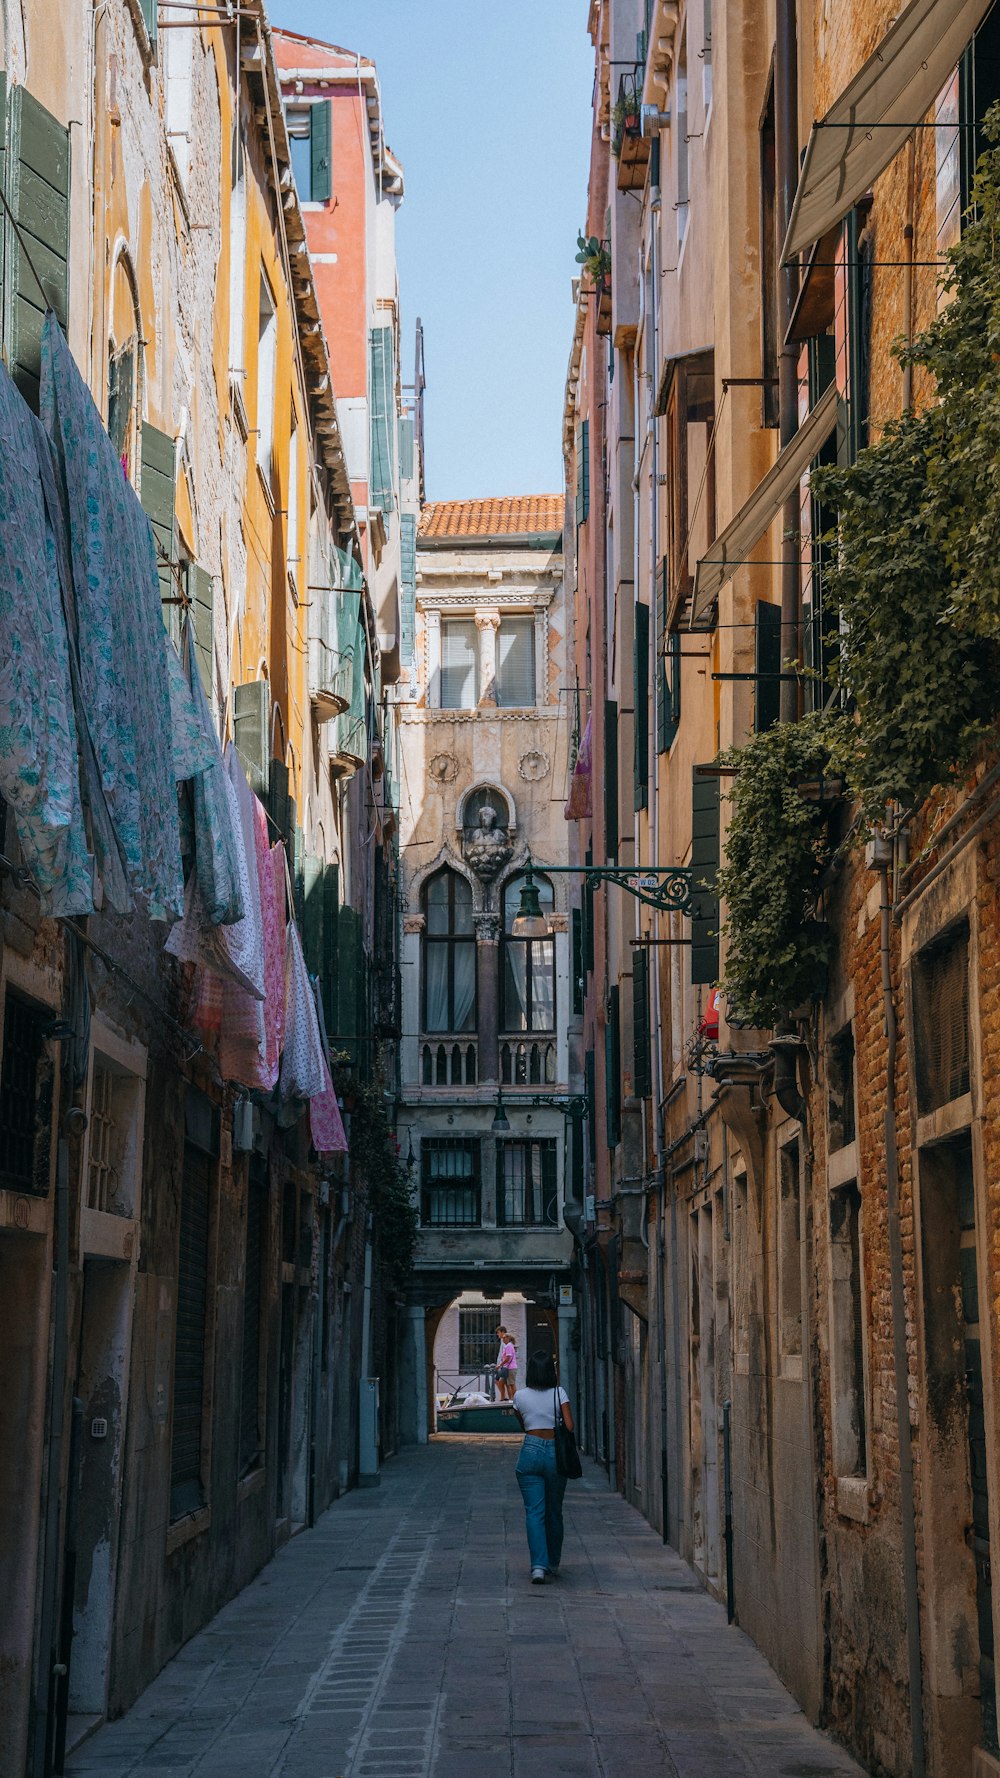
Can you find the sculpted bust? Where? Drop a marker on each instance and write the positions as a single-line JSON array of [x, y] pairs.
[[487, 848]]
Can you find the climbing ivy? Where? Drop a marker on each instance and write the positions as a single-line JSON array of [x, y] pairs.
[[376, 1158], [915, 585], [777, 849]]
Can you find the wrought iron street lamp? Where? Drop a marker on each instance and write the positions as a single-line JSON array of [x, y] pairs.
[[670, 888]]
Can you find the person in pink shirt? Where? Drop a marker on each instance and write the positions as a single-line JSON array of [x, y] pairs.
[[506, 1366]]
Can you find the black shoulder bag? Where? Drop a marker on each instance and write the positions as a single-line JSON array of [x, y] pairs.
[[567, 1456]]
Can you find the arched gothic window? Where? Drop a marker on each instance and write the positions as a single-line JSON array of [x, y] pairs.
[[528, 978], [449, 954]]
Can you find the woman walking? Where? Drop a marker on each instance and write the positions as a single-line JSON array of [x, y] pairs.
[[542, 1487]]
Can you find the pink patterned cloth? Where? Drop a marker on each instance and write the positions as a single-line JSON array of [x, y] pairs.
[[326, 1126], [578, 803], [304, 1068]]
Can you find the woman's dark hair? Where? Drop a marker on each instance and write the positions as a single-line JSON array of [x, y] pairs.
[[541, 1371]]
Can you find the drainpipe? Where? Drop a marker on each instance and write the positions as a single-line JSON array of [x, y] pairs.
[[786, 153], [900, 1361]]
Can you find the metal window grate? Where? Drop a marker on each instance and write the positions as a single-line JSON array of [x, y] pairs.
[[477, 1338], [527, 1193], [450, 1182], [104, 1178], [21, 1109], [941, 1019]]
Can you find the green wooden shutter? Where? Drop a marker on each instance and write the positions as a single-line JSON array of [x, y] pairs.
[[382, 402], [585, 442], [578, 973], [613, 1069], [704, 869], [642, 1063], [149, 19], [314, 909], [36, 176], [610, 777], [588, 920], [252, 731], [350, 987], [408, 589], [320, 158], [767, 665], [201, 592], [590, 1074], [579, 475], [156, 491], [640, 705], [279, 803], [331, 918], [406, 446]]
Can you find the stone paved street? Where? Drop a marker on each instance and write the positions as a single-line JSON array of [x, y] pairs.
[[401, 1639]]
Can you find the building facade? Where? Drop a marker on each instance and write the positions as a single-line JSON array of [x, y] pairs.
[[187, 1308], [789, 1240], [489, 1018]]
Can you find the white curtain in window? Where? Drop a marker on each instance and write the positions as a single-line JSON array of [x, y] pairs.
[[437, 987], [459, 664], [515, 997], [465, 986], [543, 985], [516, 667]]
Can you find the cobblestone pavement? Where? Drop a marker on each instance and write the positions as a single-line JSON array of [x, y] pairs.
[[401, 1638]]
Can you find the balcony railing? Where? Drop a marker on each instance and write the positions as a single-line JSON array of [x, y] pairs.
[[630, 146], [449, 1062]]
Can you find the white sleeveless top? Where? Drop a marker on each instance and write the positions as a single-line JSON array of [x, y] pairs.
[[537, 1408]]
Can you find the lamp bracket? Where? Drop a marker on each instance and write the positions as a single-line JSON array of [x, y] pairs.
[[670, 888]]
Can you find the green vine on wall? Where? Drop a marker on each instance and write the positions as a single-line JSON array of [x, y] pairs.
[[777, 849], [912, 599], [376, 1158]]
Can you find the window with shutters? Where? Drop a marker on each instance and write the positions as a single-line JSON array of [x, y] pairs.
[[123, 405], [254, 1297], [583, 472], [292, 556], [704, 871], [515, 684], [26, 1088], [768, 260], [610, 778], [156, 491], [35, 168], [579, 969], [767, 665], [450, 1182], [238, 282], [528, 966], [252, 731], [527, 1184], [187, 1490], [459, 664], [640, 706], [309, 136], [642, 1061], [449, 973], [940, 987], [112, 1145], [267, 358], [382, 420], [200, 587]]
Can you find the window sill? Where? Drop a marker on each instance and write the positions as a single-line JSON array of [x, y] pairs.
[[264, 477], [252, 1483], [185, 1530]]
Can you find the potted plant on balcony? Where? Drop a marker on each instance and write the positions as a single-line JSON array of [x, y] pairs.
[[624, 120], [594, 255]]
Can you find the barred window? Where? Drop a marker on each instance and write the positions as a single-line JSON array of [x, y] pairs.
[[527, 1189], [450, 1182], [477, 1338]]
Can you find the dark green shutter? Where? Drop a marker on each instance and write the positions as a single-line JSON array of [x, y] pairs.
[[313, 913], [767, 665], [279, 803], [201, 592], [579, 475], [252, 731], [586, 468], [640, 705], [610, 778], [149, 19], [320, 165], [613, 1069], [156, 491], [668, 669], [590, 1074], [704, 869], [588, 920], [331, 918], [642, 1066], [36, 185], [350, 987], [578, 972], [406, 446]]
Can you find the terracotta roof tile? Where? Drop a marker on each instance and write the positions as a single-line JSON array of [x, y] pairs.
[[492, 518]]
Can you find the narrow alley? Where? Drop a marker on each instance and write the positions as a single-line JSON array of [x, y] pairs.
[[401, 1639]]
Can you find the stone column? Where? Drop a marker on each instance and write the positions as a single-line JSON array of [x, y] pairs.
[[567, 1357], [488, 625], [488, 981], [413, 1378]]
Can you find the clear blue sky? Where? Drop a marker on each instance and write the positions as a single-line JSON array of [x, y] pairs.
[[488, 108]]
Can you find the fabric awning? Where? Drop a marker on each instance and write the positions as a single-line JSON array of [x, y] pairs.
[[732, 548], [893, 91]]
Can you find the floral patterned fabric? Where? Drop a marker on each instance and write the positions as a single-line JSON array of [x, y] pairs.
[[39, 772], [124, 669], [304, 1069], [326, 1126], [215, 839]]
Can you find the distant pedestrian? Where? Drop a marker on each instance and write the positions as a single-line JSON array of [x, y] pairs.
[[542, 1487]]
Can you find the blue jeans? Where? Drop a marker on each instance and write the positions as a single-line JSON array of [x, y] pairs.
[[542, 1490]]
